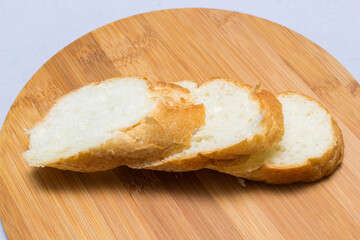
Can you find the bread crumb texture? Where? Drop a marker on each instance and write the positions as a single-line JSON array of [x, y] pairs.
[[89, 117]]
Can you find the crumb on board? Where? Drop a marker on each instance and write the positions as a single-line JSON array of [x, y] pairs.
[[241, 181]]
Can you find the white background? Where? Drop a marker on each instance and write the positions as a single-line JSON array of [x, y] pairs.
[[31, 32]]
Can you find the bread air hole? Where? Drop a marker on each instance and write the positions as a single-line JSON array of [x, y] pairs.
[[279, 148]]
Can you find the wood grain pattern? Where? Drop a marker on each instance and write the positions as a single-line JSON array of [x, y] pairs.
[[174, 45]]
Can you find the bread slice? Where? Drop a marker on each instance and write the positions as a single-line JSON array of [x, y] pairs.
[[120, 121], [312, 146], [240, 122]]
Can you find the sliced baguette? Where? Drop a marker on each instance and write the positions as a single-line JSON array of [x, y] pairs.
[[123, 121], [240, 122], [312, 146]]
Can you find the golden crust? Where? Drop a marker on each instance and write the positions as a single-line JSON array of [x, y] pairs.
[[167, 129], [195, 162], [311, 170], [233, 155]]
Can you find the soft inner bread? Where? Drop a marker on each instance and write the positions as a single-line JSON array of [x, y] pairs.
[[240, 121], [118, 121], [311, 147], [89, 117], [232, 115]]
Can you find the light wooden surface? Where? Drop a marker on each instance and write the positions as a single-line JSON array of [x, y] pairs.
[[174, 45]]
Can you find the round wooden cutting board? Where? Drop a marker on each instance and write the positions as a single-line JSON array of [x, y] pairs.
[[174, 45]]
